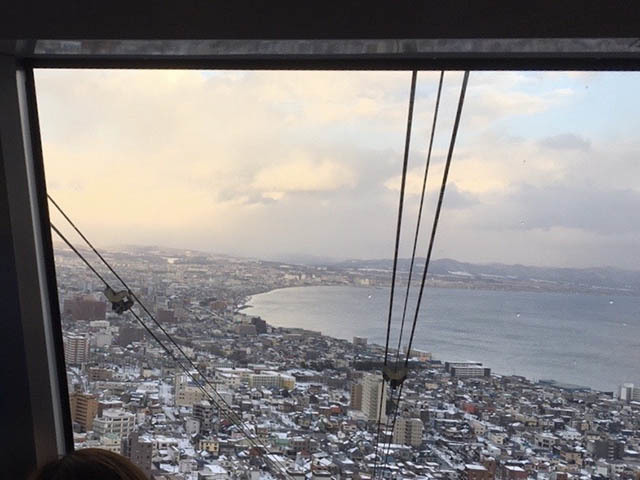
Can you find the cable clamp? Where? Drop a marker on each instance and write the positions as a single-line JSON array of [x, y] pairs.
[[120, 301], [394, 375]]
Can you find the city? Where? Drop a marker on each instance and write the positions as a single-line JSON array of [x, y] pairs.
[[256, 401]]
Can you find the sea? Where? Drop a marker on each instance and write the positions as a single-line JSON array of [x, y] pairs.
[[580, 339]]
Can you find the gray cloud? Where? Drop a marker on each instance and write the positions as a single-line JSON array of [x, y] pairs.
[[566, 141], [607, 212], [195, 151]]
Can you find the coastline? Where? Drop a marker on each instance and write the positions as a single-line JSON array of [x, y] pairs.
[[503, 367]]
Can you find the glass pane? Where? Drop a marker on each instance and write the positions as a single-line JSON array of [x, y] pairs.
[[253, 215]]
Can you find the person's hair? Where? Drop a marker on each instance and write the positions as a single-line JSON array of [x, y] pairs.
[[91, 464]]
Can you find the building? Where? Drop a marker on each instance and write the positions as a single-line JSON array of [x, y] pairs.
[[360, 341], [115, 421], [242, 373], [544, 440], [420, 355], [287, 382], [97, 374], [76, 349], [205, 413], [468, 372], [85, 308], [210, 445], [244, 329], [408, 431], [466, 369], [272, 380], [373, 390], [128, 335], [84, 408], [476, 472], [514, 472], [300, 443], [110, 442], [165, 316], [139, 450], [606, 448], [356, 396], [102, 339], [187, 393], [261, 325], [449, 365], [628, 392]]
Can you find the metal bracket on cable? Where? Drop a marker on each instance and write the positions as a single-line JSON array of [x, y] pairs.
[[120, 301], [394, 375]]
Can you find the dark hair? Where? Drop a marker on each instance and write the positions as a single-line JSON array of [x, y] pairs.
[[91, 464]]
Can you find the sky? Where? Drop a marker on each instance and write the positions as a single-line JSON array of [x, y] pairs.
[[302, 164]]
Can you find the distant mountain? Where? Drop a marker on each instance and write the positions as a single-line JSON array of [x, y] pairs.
[[302, 259], [448, 271], [595, 278]]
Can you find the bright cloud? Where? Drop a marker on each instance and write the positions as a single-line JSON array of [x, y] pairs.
[[304, 175], [270, 163]]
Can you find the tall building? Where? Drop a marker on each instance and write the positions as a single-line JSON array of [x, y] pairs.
[[76, 349], [606, 448], [629, 393], [139, 450], [187, 392], [205, 413], [115, 421], [408, 431], [374, 389], [356, 396], [84, 408]]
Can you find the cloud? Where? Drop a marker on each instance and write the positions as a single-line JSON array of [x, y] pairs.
[[565, 141], [454, 196], [606, 212], [303, 175], [312, 161], [491, 97]]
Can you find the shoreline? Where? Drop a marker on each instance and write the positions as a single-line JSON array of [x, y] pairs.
[[549, 381], [594, 293]]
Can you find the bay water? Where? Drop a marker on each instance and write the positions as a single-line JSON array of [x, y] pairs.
[[582, 339]]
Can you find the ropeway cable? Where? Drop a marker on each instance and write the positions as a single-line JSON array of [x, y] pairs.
[[393, 425], [415, 240], [413, 254], [434, 227], [226, 409], [403, 182], [229, 413], [405, 162], [133, 295], [431, 241]]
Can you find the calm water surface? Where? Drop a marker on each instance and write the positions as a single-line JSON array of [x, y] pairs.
[[577, 338]]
